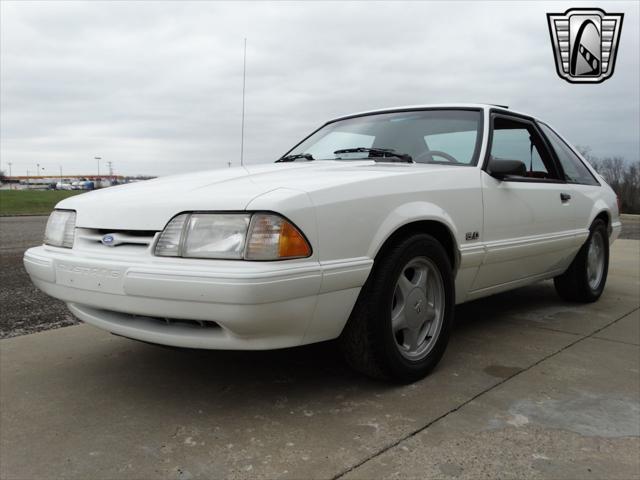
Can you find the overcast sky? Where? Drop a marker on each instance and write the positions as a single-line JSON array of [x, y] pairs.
[[156, 87]]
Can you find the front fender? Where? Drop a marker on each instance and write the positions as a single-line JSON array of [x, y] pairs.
[[410, 213], [294, 205]]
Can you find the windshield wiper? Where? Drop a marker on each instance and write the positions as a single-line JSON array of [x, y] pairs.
[[375, 153], [292, 158]]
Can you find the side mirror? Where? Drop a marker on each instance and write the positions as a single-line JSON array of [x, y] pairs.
[[502, 169]]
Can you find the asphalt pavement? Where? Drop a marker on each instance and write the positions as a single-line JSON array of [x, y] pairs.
[[23, 308], [530, 387]]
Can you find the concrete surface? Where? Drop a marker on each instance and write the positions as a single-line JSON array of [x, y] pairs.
[[530, 387], [567, 417]]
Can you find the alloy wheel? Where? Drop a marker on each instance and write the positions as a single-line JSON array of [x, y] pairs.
[[417, 308]]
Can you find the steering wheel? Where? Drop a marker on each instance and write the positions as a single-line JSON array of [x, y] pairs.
[[436, 153]]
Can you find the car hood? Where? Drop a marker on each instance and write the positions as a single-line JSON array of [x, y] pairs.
[[148, 205]]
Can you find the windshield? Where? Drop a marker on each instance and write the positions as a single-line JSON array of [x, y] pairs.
[[427, 136]]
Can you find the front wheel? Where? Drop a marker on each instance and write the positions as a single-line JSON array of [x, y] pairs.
[[400, 326], [585, 278]]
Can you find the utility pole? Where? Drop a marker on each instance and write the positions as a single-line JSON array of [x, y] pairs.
[[110, 166]]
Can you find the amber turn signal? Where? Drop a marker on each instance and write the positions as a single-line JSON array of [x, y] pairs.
[[271, 237], [292, 243]]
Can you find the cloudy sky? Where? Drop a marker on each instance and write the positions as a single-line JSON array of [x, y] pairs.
[[156, 87]]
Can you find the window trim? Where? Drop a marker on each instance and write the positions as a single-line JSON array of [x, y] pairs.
[[476, 151], [598, 184], [494, 113]]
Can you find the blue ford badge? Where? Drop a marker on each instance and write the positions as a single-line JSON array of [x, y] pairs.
[[108, 240]]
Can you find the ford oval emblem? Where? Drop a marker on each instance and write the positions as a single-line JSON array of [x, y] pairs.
[[108, 240]]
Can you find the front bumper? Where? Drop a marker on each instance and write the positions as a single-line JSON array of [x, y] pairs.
[[203, 303]]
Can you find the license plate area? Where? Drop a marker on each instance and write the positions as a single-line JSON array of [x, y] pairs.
[[90, 277]]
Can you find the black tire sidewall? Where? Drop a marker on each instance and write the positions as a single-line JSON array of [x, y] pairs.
[[419, 245], [599, 227]]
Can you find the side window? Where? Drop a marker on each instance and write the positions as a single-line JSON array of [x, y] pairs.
[[574, 169], [516, 140]]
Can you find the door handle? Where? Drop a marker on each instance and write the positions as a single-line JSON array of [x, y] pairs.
[[565, 197]]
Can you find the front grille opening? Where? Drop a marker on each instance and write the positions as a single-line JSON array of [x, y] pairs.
[[124, 241], [132, 233]]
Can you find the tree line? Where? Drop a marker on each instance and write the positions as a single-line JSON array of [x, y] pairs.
[[622, 176]]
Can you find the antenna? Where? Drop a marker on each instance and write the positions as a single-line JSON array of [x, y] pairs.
[[244, 83]]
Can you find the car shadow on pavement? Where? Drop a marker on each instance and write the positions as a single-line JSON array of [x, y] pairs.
[[527, 302], [150, 370]]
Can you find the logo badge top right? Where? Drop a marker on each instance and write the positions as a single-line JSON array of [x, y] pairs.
[[585, 43]]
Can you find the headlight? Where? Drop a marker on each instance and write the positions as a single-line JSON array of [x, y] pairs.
[[60, 228], [258, 236]]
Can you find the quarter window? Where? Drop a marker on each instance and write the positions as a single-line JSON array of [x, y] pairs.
[[574, 169]]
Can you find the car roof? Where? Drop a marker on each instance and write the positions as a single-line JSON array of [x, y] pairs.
[[480, 106]]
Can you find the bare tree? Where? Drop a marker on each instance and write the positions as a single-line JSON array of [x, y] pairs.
[[622, 176], [613, 170]]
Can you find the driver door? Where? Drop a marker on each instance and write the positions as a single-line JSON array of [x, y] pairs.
[[528, 228]]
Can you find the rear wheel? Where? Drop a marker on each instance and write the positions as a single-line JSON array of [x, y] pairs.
[[585, 278], [400, 325]]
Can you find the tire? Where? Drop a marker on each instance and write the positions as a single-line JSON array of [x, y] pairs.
[[584, 281], [374, 345]]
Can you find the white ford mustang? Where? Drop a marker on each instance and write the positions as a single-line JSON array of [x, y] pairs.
[[371, 229]]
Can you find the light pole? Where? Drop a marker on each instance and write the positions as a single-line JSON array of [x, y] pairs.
[[60, 176], [37, 169], [10, 184], [98, 177]]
